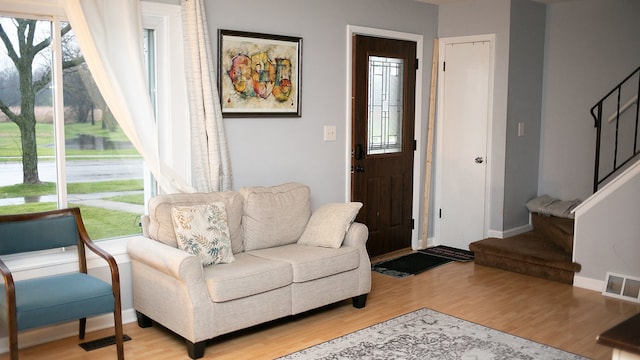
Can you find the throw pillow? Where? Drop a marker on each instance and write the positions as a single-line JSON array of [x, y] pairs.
[[329, 224], [274, 216], [202, 230]]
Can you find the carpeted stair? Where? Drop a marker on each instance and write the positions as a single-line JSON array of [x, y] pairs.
[[545, 252]]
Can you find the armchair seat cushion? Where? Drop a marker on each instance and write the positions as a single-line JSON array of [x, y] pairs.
[[58, 298], [248, 275], [312, 262]]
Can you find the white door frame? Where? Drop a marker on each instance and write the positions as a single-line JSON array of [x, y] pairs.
[[442, 42], [419, 128]]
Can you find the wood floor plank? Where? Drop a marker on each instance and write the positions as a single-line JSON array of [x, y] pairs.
[[544, 311]]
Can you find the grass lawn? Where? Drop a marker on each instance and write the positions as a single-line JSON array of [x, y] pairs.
[[23, 190], [137, 199], [100, 223]]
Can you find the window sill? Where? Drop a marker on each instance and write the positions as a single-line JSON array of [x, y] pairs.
[[64, 260]]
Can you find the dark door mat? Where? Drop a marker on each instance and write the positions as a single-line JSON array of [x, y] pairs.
[[100, 343], [450, 253], [408, 265]]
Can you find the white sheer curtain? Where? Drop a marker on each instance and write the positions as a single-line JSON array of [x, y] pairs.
[[210, 161], [109, 33]]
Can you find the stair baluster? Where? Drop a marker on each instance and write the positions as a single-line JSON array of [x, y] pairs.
[[597, 113]]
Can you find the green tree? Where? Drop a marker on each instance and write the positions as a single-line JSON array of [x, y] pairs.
[[23, 54]]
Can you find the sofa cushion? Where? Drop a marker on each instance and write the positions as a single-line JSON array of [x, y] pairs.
[[160, 221], [310, 262], [202, 230], [248, 275], [329, 224], [274, 216]]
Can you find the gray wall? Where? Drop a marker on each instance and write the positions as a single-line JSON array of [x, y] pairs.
[[591, 46], [610, 243], [268, 151], [524, 105]]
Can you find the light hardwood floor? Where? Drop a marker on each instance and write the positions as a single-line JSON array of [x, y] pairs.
[[544, 311]]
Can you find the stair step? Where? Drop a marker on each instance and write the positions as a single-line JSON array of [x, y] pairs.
[[555, 229]]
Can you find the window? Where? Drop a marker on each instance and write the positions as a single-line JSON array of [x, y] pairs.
[[385, 105], [59, 144], [74, 157]]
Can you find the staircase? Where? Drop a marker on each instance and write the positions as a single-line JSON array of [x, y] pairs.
[[616, 121], [545, 252]]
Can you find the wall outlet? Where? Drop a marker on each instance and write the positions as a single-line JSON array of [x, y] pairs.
[[329, 133]]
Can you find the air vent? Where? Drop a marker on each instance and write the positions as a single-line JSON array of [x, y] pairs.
[[622, 287]]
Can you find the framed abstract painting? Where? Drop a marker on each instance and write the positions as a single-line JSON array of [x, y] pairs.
[[259, 75]]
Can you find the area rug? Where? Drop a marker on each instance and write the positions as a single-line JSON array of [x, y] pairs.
[[408, 265], [428, 334], [450, 253]]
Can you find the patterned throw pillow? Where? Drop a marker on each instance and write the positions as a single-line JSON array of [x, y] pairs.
[[202, 230]]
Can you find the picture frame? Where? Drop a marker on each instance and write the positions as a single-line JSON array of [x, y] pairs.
[[259, 75]]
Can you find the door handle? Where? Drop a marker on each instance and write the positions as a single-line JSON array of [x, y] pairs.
[[358, 153], [479, 160], [359, 168]]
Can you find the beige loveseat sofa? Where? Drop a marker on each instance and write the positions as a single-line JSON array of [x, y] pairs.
[[273, 274]]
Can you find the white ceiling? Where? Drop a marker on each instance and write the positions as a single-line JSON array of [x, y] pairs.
[[441, 2]]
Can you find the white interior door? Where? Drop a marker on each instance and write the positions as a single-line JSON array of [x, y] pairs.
[[465, 81]]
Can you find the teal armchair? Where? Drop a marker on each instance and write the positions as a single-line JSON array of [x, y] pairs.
[[59, 298]]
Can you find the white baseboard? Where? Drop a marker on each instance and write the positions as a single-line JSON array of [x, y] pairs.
[[588, 283], [51, 333], [510, 232], [518, 230]]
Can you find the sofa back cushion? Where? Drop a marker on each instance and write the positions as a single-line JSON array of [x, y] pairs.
[[274, 216], [160, 222]]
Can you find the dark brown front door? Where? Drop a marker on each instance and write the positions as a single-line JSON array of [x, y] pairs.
[[384, 78]]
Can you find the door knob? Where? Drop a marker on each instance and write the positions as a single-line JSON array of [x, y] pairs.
[[359, 168], [479, 160]]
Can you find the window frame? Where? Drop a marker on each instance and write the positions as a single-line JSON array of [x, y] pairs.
[[173, 128]]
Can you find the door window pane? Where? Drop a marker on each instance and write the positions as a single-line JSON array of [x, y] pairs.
[[384, 134]]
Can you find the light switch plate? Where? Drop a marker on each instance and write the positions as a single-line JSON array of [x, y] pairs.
[[329, 133]]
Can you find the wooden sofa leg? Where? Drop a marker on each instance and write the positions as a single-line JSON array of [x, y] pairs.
[[360, 301], [143, 320], [196, 350]]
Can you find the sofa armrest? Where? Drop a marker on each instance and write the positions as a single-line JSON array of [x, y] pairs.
[[144, 222], [357, 236], [166, 259]]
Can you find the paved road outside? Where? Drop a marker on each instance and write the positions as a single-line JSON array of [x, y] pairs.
[[79, 171]]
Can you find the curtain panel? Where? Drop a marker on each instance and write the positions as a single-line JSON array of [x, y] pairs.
[[109, 33], [210, 160]]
